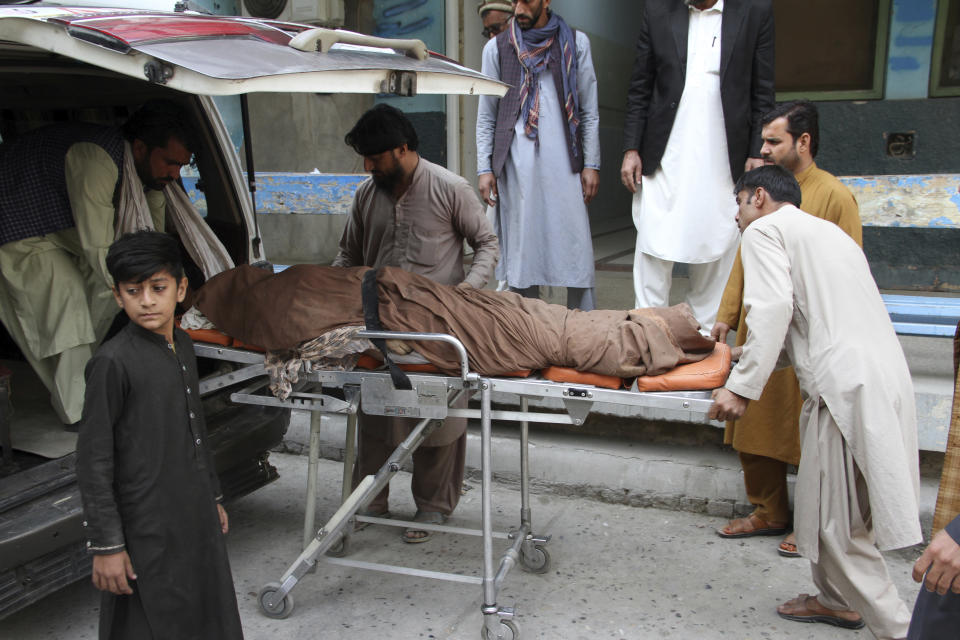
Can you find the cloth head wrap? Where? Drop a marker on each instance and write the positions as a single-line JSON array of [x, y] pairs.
[[494, 6], [533, 50]]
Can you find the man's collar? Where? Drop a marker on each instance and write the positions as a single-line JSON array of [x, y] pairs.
[[806, 173], [717, 7], [414, 178]]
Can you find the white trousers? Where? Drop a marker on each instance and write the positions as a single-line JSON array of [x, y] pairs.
[[652, 278], [850, 572]]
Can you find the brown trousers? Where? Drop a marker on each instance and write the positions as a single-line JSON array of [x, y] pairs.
[[765, 480], [437, 471]]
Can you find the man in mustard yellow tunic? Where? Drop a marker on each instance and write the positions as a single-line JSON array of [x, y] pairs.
[[766, 437]]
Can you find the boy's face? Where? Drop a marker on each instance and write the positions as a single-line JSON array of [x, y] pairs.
[[152, 303]]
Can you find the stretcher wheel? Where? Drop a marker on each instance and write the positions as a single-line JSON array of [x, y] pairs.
[[338, 549], [536, 562], [281, 610], [508, 631]]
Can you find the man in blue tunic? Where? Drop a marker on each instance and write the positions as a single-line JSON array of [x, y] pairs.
[[538, 153]]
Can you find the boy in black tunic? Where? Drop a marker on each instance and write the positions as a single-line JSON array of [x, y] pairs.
[[150, 493]]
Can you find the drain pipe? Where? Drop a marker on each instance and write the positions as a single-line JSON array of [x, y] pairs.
[[453, 50]]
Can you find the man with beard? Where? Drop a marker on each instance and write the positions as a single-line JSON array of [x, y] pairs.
[[538, 153], [702, 79], [60, 207], [415, 215], [766, 437]]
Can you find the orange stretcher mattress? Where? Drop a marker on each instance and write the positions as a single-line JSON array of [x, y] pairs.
[[709, 373], [214, 336], [566, 374]]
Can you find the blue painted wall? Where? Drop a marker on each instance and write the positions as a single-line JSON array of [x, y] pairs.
[[911, 45]]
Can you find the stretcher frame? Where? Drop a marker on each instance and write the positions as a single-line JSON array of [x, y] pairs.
[[429, 399]]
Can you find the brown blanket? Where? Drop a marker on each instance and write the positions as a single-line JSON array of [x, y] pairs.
[[501, 331]]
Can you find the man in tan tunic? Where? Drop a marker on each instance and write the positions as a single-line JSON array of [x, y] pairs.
[[766, 438], [858, 482], [415, 215]]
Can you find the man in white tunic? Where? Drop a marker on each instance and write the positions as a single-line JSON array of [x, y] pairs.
[[808, 291], [538, 153], [702, 79]]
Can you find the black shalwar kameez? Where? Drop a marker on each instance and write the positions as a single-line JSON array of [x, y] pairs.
[[149, 486]]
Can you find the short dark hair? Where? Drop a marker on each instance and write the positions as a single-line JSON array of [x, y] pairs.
[[775, 180], [136, 256], [802, 117], [159, 120], [381, 129]]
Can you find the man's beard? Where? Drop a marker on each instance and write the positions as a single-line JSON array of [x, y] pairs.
[[387, 181], [531, 21], [147, 179]]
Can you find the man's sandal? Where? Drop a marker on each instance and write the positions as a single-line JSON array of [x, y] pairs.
[[806, 608], [751, 526], [412, 535], [788, 547]]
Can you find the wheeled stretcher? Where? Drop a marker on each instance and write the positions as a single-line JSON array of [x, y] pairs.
[[429, 399]]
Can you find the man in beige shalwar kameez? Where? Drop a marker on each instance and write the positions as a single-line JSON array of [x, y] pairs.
[[858, 482]]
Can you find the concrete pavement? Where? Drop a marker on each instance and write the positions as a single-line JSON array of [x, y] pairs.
[[617, 572]]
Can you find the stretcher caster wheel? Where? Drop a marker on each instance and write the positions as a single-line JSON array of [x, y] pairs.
[[280, 610], [536, 562], [508, 631]]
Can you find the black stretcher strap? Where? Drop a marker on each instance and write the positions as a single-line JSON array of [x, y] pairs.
[[371, 317]]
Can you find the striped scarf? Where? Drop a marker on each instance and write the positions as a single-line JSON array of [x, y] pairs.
[[533, 51]]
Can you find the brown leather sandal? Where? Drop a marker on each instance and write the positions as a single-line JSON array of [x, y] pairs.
[[806, 608], [752, 526]]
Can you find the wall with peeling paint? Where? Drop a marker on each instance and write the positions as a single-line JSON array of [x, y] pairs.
[[924, 201]]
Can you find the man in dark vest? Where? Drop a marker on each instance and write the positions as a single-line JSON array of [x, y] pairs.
[[60, 190], [538, 153]]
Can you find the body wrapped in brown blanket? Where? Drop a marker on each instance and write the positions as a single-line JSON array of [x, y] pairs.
[[502, 331]]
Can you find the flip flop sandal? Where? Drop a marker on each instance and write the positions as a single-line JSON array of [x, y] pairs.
[[412, 535], [785, 550]]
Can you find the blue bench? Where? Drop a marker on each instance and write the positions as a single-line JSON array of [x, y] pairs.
[[923, 315]]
